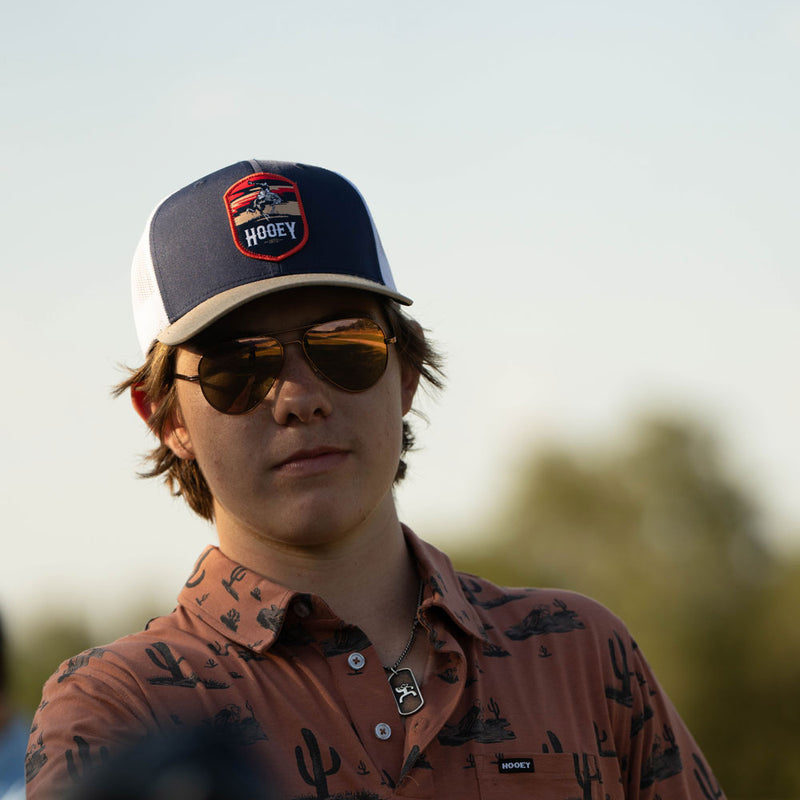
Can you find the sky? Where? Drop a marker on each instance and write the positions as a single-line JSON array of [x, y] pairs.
[[593, 205]]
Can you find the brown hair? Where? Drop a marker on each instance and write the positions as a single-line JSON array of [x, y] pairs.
[[184, 477]]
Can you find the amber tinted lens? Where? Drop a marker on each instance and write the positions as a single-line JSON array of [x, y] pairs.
[[350, 353], [237, 379]]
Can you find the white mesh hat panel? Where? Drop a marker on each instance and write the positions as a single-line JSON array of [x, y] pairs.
[[149, 313]]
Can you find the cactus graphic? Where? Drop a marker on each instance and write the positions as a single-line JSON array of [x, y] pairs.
[[163, 658], [35, 759], [601, 739], [80, 661], [584, 774], [555, 743], [664, 760], [472, 589], [623, 696], [707, 783], [236, 576], [494, 650], [473, 726], [542, 620], [232, 619], [320, 775], [85, 756], [450, 675]]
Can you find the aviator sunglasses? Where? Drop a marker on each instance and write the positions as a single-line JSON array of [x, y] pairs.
[[236, 376]]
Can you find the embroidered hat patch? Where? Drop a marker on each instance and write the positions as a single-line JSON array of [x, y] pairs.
[[266, 216]]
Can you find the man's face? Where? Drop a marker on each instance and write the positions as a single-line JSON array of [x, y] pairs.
[[312, 463]]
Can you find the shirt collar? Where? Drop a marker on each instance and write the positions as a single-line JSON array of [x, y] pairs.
[[252, 611], [443, 587]]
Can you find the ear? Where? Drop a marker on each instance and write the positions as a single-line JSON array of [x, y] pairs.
[[142, 403], [409, 378], [409, 381], [176, 437]]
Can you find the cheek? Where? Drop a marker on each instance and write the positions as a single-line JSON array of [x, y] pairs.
[[388, 418], [209, 435]]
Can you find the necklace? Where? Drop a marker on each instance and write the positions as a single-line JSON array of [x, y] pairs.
[[405, 689]]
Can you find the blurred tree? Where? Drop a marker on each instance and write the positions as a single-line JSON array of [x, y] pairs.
[[48, 640], [655, 528], [35, 658]]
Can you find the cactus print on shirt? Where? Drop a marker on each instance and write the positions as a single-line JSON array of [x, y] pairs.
[[528, 693]]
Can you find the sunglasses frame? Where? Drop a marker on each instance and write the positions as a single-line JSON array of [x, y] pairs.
[[232, 344]]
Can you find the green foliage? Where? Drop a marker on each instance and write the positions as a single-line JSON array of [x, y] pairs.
[[52, 639], [34, 660], [655, 529]]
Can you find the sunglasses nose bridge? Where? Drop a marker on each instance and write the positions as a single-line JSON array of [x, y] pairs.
[[301, 343]]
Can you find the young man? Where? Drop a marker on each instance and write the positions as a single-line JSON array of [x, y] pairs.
[[342, 652]]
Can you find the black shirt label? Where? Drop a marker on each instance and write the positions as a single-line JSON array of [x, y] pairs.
[[515, 765]]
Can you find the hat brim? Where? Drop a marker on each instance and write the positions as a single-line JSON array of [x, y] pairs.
[[213, 309]]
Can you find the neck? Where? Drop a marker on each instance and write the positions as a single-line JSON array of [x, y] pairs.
[[368, 577]]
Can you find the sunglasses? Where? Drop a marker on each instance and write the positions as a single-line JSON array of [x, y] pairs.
[[236, 376]]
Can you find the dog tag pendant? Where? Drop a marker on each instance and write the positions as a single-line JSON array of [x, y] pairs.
[[406, 691]]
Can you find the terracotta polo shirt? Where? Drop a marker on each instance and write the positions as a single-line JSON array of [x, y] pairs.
[[529, 693]]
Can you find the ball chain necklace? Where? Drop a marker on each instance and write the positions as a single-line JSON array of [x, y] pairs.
[[405, 688]]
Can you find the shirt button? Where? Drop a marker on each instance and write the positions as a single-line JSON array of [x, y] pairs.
[[383, 731], [356, 660], [301, 609]]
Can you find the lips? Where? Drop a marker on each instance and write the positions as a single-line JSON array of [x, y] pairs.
[[317, 457]]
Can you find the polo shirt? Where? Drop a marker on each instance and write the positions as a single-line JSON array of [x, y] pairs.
[[528, 693]]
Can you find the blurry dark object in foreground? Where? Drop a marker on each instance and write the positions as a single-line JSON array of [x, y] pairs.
[[14, 730], [197, 765]]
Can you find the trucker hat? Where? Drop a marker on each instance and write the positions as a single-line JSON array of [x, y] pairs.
[[245, 231]]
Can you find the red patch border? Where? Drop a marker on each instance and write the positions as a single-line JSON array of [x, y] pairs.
[[234, 231]]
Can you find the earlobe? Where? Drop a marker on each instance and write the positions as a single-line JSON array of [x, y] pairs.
[[177, 439]]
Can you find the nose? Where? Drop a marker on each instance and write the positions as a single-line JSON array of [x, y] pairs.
[[299, 393]]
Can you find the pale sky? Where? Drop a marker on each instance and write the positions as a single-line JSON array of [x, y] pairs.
[[593, 205]]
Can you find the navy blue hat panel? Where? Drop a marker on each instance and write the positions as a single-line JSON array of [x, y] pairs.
[[193, 251], [341, 237], [194, 233]]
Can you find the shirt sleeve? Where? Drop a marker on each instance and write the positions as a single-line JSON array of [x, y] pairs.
[[89, 708], [664, 761]]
